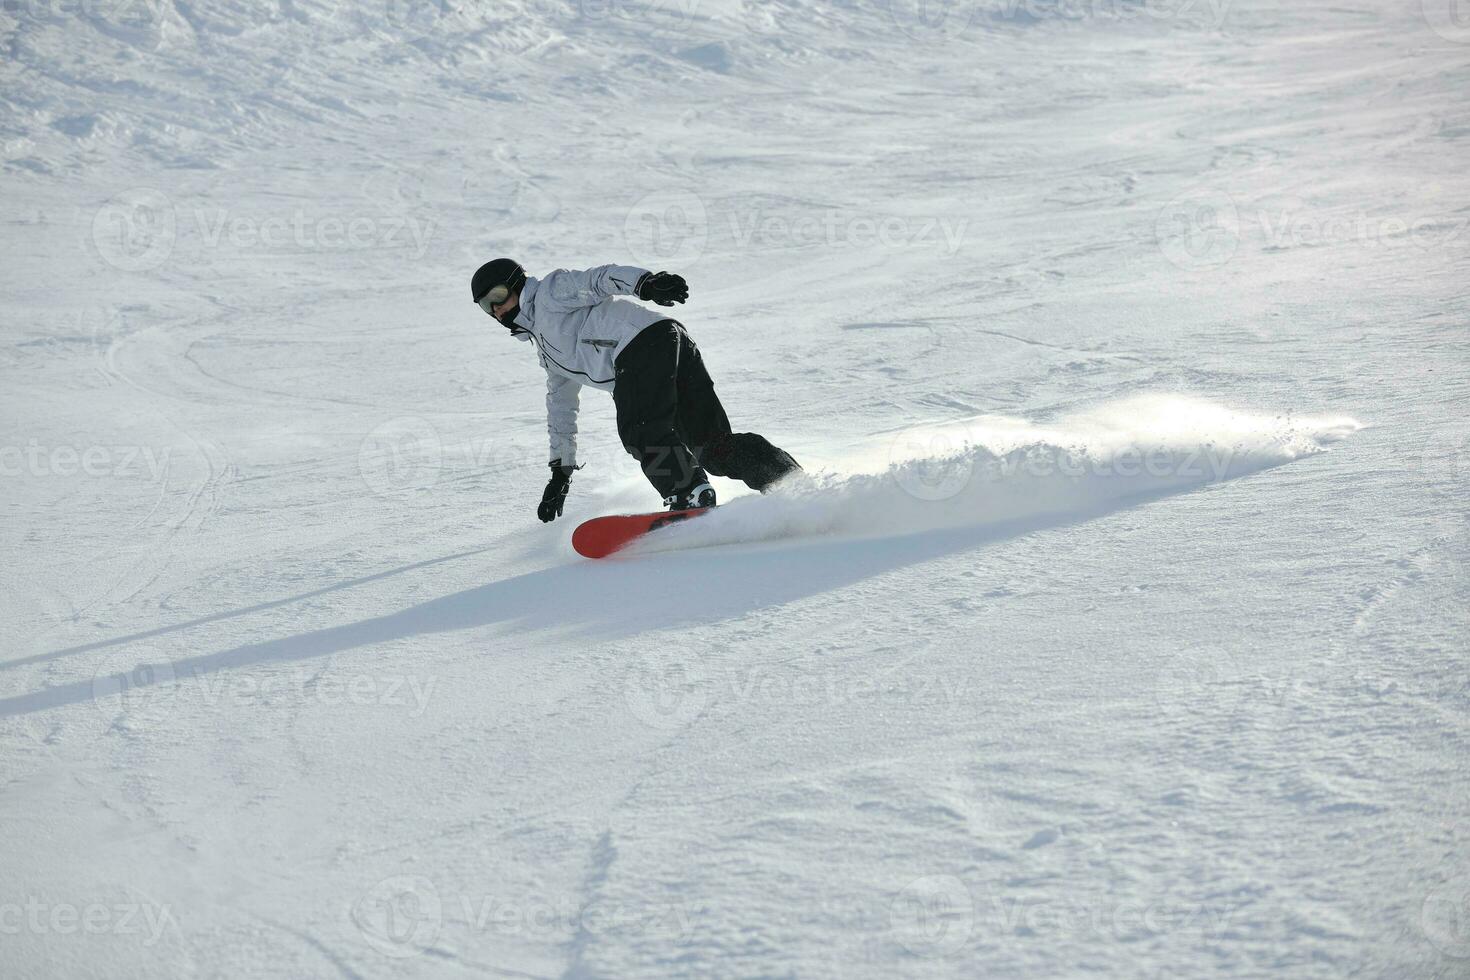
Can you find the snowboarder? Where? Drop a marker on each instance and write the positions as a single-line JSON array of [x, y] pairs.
[[669, 417]]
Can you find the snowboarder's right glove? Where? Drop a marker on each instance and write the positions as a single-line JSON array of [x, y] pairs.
[[663, 288], [556, 492]]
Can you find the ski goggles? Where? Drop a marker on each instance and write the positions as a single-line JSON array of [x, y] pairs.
[[496, 296]]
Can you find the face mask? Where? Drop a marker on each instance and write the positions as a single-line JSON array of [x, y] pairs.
[[508, 318]]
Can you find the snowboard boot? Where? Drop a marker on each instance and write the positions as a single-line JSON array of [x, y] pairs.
[[696, 497]]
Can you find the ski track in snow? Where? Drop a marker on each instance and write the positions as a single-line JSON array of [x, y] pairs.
[[1117, 628]]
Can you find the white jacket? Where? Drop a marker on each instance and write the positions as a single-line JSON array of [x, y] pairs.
[[579, 327]]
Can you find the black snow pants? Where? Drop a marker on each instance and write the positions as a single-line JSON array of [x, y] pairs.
[[672, 422]]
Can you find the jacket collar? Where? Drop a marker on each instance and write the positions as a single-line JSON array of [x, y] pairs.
[[524, 315]]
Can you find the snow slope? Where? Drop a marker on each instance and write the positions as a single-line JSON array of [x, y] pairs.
[[1120, 627]]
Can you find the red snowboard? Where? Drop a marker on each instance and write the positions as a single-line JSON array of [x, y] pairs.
[[601, 536]]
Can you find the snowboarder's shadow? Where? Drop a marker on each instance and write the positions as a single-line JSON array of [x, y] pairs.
[[599, 601]]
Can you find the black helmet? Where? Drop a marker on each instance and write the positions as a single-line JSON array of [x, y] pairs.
[[501, 272]]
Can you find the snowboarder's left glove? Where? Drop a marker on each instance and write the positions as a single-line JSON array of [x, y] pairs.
[[663, 288], [556, 492]]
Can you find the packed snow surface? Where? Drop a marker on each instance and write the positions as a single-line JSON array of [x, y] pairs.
[[1117, 625]]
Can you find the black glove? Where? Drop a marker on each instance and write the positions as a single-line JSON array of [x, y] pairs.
[[664, 288], [556, 492]]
